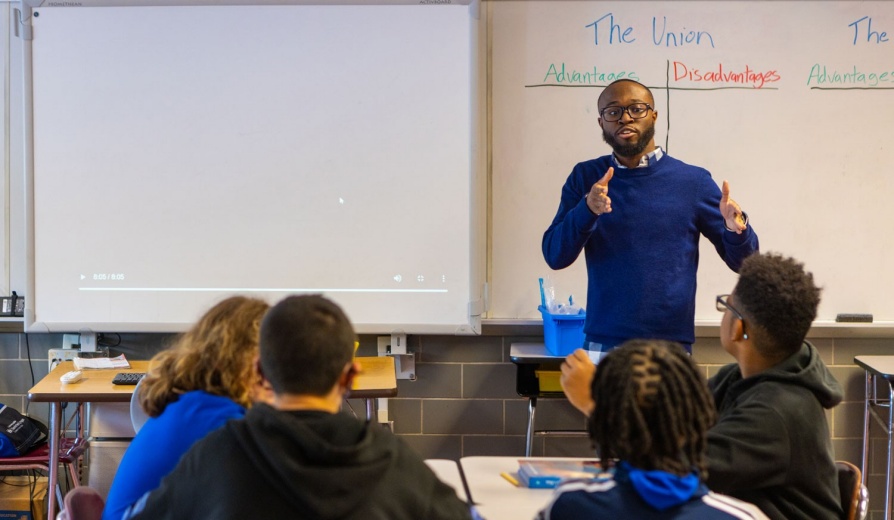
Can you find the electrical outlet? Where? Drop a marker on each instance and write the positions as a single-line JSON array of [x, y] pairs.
[[58, 355]]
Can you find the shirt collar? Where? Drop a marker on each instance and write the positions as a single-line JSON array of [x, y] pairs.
[[647, 160]]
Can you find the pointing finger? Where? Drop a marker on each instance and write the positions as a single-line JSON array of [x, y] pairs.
[[724, 191]]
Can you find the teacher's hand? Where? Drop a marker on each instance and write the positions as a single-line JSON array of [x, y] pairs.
[[598, 200], [577, 378], [733, 217]]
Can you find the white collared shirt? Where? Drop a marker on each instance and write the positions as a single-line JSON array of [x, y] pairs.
[[650, 158]]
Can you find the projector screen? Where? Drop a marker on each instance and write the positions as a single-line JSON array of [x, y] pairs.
[[182, 154]]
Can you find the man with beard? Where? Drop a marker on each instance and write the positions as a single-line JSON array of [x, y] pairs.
[[637, 214]]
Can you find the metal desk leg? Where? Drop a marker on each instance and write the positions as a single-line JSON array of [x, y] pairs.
[[53, 477], [889, 478], [868, 399], [371, 413], [529, 437]]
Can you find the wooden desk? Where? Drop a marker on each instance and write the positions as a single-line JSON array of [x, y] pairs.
[[95, 386], [879, 368], [496, 498], [376, 379]]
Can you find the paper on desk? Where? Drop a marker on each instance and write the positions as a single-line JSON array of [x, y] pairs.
[[101, 362]]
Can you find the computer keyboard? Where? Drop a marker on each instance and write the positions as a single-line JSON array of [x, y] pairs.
[[127, 378]]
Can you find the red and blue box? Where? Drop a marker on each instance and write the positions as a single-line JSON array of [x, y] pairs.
[[562, 333]]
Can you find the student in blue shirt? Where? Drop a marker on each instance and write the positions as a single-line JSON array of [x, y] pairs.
[[649, 423], [204, 380]]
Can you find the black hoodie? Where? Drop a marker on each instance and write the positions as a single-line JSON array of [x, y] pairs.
[[302, 465], [771, 444]]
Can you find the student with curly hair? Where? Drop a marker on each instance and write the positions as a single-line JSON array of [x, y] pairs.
[[207, 378], [771, 444], [649, 424]]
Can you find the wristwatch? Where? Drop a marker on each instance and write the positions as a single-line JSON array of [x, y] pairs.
[[745, 215]]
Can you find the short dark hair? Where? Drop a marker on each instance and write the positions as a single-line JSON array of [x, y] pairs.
[[653, 408], [305, 343], [623, 80], [779, 300]]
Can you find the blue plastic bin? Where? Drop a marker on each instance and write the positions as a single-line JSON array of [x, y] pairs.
[[562, 333]]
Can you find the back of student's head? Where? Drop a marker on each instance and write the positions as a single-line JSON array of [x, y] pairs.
[[653, 408], [779, 301], [306, 342], [216, 355]]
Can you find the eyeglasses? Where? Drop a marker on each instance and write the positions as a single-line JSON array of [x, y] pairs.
[[636, 111], [722, 305]]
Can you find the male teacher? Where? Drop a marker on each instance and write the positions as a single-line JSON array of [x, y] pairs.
[[638, 214]]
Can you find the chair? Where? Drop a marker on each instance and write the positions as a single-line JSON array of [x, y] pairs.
[[70, 452], [854, 495], [82, 503], [138, 416]]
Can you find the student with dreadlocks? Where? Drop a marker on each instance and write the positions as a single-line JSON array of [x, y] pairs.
[[771, 444], [649, 425]]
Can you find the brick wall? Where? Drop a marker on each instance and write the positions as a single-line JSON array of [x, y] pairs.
[[463, 401]]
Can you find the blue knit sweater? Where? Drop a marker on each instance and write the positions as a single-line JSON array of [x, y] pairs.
[[642, 257]]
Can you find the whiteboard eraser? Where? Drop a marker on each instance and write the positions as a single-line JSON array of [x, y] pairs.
[[854, 318]]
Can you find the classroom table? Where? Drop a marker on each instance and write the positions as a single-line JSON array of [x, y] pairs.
[[879, 368], [376, 379], [494, 496], [95, 386]]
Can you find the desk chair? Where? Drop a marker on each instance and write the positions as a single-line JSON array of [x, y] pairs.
[[138, 416], [70, 453], [854, 495]]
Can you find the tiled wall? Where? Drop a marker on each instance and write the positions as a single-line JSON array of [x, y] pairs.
[[463, 401]]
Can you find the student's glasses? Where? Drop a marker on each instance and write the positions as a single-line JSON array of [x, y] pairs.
[[722, 305], [636, 111]]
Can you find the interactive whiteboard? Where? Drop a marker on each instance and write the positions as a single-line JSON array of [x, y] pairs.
[[183, 153]]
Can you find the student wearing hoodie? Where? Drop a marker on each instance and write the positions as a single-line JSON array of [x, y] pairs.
[[771, 444], [301, 457], [649, 424]]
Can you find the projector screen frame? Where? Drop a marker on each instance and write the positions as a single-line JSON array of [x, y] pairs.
[[476, 179]]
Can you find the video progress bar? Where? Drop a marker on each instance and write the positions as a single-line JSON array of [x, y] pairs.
[[256, 289]]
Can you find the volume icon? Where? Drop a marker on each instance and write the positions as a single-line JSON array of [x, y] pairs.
[[398, 278]]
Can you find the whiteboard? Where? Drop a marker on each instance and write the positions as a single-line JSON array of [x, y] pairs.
[[183, 153], [791, 102]]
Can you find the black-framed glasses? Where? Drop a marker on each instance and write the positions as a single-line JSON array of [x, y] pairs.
[[722, 305], [636, 111]]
